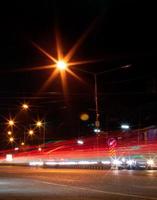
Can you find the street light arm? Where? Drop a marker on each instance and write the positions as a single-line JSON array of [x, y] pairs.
[[97, 122], [113, 69], [82, 70], [106, 71]]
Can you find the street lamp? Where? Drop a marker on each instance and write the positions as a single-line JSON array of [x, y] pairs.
[[11, 122], [30, 132], [11, 139], [61, 65], [39, 124], [25, 106], [9, 133], [95, 75], [125, 127], [22, 143]]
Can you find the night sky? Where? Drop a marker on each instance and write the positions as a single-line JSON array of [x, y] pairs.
[[122, 33]]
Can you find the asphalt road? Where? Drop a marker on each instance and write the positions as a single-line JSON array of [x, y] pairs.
[[21, 183]]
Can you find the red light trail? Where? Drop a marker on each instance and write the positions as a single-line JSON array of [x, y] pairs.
[[93, 148]]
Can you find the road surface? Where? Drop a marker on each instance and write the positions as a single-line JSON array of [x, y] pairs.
[[24, 183]]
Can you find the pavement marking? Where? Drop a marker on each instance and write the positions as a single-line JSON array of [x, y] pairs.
[[98, 191]]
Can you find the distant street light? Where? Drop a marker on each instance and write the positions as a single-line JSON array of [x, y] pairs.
[[11, 139], [125, 126], [25, 106], [9, 133], [22, 143], [30, 132], [39, 124], [11, 123], [95, 76]]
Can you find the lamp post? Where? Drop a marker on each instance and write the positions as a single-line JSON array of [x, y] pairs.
[[63, 65], [95, 75], [97, 122]]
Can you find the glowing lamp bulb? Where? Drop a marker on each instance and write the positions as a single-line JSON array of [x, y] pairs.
[[11, 139], [9, 132], [31, 132], [39, 124], [25, 106], [61, 65], [11, 122]]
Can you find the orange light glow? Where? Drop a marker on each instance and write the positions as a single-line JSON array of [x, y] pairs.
[[84, 117], [22, 143], [11, 139], [25, 106], [39, 124], [11, 123], [63, 61], [9, 133], [61, 65], [31, 132]]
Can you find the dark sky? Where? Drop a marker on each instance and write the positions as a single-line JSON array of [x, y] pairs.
[[124, 33]]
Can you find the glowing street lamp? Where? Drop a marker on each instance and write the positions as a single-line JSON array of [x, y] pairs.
[[25, 106], [61, 65], [39, 124], [22, 143], [11, 122], [125, 127], [31, 132], [11, 139], [9, 133]]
